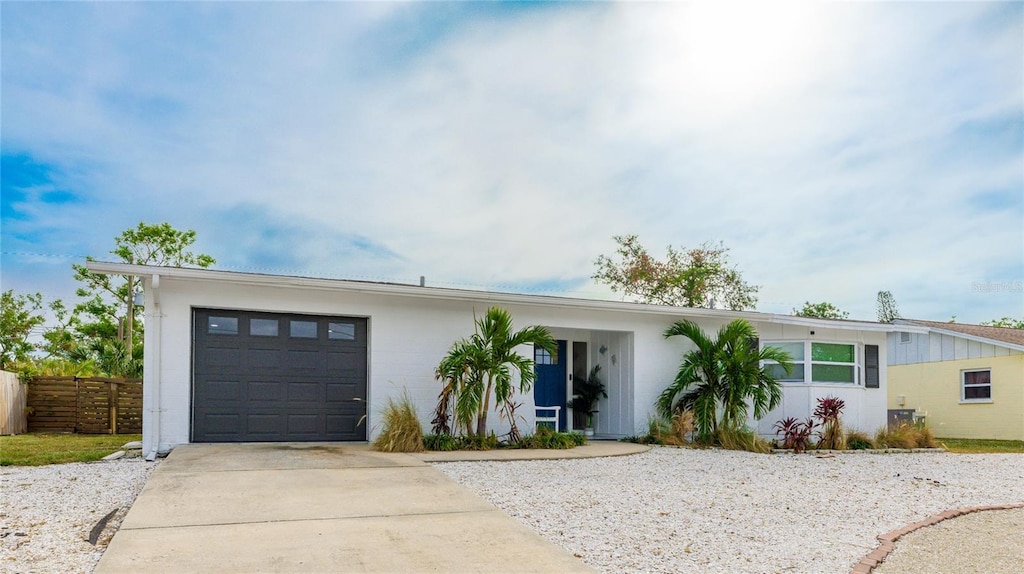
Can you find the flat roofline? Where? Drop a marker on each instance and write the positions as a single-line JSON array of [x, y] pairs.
[[493, 297]]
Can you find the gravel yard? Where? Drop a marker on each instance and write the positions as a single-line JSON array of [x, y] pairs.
[[689, 510], [48, 512]]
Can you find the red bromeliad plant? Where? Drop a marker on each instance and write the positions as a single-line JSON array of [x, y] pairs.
[[828, 411], [796, 435]]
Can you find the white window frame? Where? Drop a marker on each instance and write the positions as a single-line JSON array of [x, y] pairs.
[[808, 362], [964, 385]]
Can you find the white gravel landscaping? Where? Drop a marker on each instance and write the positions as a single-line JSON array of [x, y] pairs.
[[691, 510], [48, 512]]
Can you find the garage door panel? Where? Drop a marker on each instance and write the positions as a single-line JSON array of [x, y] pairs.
[[346, 392], [264, 423], [256, 378], [311, 392], [222, 391], [344, 424], [223, 423], [265, 358], [264, 391], [222, 357], [304, 360], [303, 424]]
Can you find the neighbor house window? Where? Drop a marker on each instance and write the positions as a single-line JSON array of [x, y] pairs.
[[815, 362], [976, 385]]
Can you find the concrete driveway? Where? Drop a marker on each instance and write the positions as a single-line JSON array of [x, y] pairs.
[[317, 507]]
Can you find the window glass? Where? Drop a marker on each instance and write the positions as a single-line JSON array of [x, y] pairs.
[[222, 325], [795, 350], [341, 331], [776, 370], [975, 393], [263, 327], [977, 385], [542, 357], [303, 329], [821, 373], [977, 378], [832, 353]]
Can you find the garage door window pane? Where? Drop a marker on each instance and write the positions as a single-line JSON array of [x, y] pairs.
[[341, 331], [303, 329], [222, 325], [263, 327]]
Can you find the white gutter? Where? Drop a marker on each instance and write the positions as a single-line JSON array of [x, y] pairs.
[[478, 296], [151, 380]]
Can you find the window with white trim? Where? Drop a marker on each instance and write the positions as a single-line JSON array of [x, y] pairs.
[[976, 385], [828, 362]]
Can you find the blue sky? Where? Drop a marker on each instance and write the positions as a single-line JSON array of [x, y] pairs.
[[838, 149]]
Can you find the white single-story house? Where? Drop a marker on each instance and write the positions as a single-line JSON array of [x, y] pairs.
[[237, 357]]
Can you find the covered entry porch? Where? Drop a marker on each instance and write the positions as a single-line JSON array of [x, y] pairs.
[[579, 351]]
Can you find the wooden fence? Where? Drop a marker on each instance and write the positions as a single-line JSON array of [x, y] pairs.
[[87, 405], [12, 404]]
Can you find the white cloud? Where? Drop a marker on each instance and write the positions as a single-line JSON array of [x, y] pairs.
[[822, 142]]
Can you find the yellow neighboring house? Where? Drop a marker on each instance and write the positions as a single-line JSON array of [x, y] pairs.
[[965, 381]]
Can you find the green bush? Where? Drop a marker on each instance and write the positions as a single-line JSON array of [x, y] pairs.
[[402, 431], [441, 442], [549, 439], [856, 440], [741, 439]]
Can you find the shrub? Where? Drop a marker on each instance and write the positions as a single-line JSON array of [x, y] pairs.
[[796, 435], [402, 431], [741, 439], [442, 442], [476, 442], [547, 438], [856, 440], [905, 436]]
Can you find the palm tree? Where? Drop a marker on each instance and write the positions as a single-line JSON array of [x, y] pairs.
[[483, 364], [720, 375]]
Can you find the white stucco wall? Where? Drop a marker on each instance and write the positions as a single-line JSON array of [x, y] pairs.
[[409, 335]]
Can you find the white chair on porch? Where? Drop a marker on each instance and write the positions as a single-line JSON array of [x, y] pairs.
[[548, 419]]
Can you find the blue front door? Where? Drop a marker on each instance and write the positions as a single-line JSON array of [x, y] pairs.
[[549, 389]]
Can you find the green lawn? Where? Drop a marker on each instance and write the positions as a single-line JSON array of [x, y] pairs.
[[39, 449], [970, 445]]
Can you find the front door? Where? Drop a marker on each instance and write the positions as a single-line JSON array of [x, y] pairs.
[[549, 389]]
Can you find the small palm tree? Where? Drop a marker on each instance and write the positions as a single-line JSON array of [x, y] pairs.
[[483, 364], [720, 375]]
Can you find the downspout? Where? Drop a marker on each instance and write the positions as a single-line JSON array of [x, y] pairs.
[[152, 374]]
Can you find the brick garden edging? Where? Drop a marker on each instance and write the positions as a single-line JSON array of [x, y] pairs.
[[887, 541]]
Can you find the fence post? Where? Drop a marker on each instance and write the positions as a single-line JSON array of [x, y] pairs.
[[112, 403], [78, 404]]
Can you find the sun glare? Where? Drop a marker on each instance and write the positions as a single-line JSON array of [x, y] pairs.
[[737, 51]]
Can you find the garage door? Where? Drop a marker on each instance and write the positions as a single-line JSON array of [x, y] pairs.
[[261, 377]]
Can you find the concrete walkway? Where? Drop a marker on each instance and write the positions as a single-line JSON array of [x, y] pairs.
[[325, 507]]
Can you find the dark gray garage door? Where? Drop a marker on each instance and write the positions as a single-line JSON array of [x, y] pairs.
[[273, 377]]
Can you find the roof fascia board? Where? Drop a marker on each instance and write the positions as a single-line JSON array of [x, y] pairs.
[[194, 274]]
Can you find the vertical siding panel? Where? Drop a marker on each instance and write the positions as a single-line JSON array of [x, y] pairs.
[[947, 348], [959, 348], [973, 349], [934, 347]]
